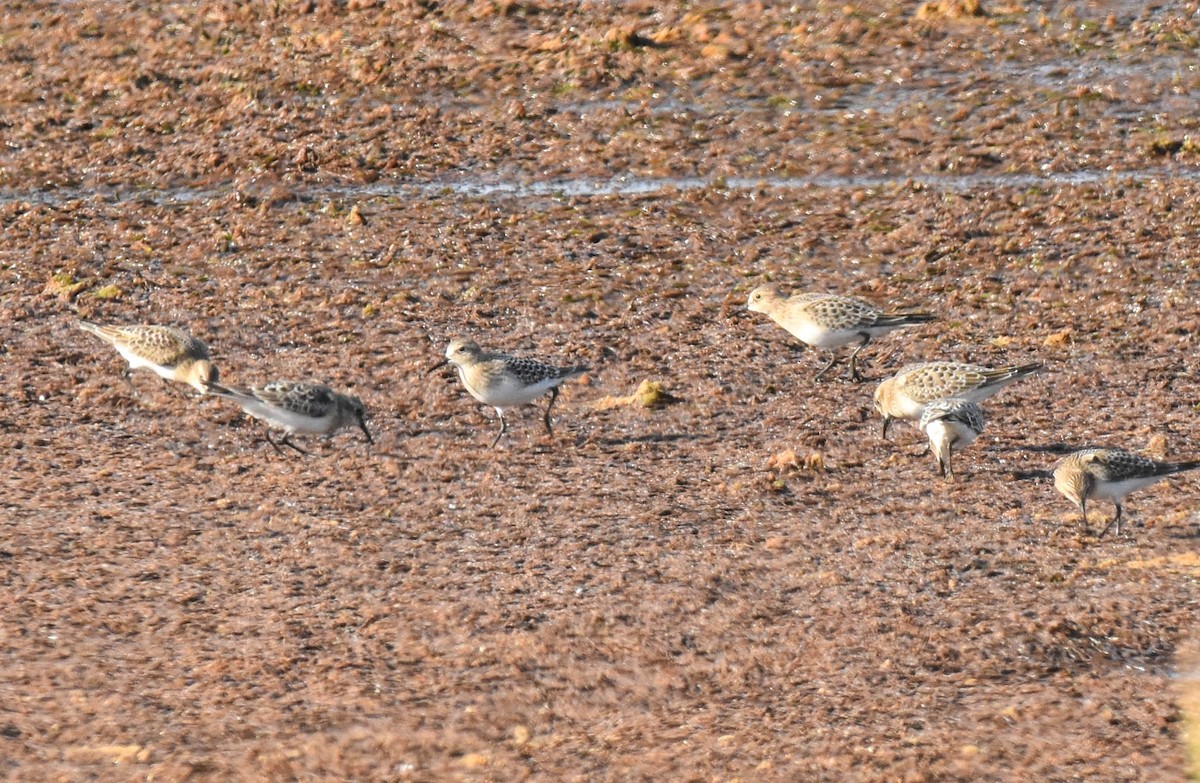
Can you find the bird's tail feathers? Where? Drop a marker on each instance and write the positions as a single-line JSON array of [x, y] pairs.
[[1013, 373], [904, 319], [103, 332], [220, 390]]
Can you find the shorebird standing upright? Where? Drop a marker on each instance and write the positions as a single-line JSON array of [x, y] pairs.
[[503, 381]]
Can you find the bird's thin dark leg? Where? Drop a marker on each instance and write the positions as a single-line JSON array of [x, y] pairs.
[[287, 441], [949, 474], [1115, 521], [887, 422], [503, 428], [825, 369], [274, 445], [546, 418], [173, 389], [854, 373], [1083, 510]]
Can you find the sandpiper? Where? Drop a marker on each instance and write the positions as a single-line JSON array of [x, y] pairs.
[[1109, 474], [950, 423], [503, 381], [172, 355], [295, 406], [829, 321], [905, 394]]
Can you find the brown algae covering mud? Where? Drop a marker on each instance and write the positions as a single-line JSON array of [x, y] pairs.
[[744, 584]]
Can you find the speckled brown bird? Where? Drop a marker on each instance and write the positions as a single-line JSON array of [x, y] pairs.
[[298, 406], [905, 394], [951, 423], [1109, 474], [829, 321], [503, 381], [170, 353]]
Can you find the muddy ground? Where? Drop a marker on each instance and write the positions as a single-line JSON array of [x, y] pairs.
[[333, 190]]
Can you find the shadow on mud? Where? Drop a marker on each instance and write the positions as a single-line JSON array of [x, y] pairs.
[[666, 437], [1044, 448]]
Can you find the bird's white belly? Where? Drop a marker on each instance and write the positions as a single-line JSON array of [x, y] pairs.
[[953, 432], [507, 391], [137, 362], [817, 336], [288, 420], [1115, 490], [907, 408]]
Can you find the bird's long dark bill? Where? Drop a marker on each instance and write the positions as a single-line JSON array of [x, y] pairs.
[[887, 422], [362, 424], [437, 366]]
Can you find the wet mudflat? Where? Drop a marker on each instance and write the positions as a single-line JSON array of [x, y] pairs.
[[333, 191]]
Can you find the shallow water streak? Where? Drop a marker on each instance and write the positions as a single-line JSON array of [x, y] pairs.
[[476, 187]]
